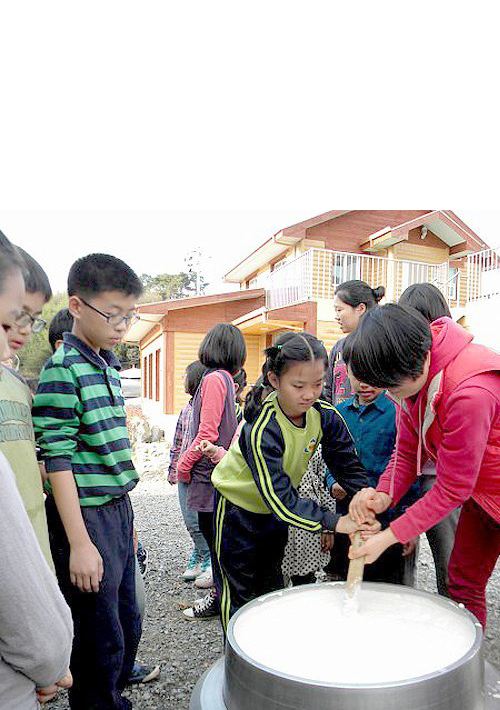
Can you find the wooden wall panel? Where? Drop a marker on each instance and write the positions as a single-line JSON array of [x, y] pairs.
[[255, 357], [347, 232], [329, 332], [185, 348], [421, 252], [186, 351], [202, 318]]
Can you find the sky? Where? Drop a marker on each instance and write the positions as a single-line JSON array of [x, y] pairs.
[[155, 242]]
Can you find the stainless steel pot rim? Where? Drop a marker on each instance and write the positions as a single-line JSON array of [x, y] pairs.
[[375, 586]]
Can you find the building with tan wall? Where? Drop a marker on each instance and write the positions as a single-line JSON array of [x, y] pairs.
[[288, 283]]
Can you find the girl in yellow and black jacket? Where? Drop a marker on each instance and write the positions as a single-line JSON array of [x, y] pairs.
[[256, 482]]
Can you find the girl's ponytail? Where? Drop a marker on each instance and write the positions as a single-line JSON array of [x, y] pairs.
[[378, 293], [253, 400]]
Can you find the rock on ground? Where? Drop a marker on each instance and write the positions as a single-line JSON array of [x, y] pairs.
[[186, 649]]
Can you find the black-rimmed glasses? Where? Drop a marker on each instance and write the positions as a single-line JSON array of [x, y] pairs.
[[114, 319]]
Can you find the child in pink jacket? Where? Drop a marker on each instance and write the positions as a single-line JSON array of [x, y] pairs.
[[450, 413]]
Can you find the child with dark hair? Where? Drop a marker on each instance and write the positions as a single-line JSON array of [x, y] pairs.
[[256, 482], [62, 323], [223, 352], [199, 561], [370, 416], [38, 293], [427, 299], [352, 300], [17, 439], [35, 623], [430, 302], [80, 424], [450, 392]]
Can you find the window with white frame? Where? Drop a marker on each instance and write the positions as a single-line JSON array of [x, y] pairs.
[[346, 267], [280, 264], [452, 291]]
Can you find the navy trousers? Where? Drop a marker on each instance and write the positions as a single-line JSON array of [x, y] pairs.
[[249, 549], [107, 624]]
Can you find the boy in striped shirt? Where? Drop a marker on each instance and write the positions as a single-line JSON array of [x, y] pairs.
[[80, 426]]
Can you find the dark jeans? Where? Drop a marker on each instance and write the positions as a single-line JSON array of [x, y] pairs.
[[206, 525], [107, 623]]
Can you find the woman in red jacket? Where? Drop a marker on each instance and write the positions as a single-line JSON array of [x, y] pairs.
[[450, 412]]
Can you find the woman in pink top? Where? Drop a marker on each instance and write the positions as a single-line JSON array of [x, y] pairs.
[[450, 413]]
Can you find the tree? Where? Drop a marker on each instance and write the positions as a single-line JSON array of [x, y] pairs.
[[165, 287], [127, 354], [34, 354]]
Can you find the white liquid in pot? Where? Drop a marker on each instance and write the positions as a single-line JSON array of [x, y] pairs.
[[392, 637]]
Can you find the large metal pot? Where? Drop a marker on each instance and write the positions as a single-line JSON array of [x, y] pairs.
[[248, 685]]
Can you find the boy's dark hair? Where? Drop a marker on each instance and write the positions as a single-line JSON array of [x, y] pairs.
[[427, 299], [223, 348], [355, 292], [194, 373], [10, 260], [289, 349], [35, 279], [390, 344], [96, 273], [61, 323]]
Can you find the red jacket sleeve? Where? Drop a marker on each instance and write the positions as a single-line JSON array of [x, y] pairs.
[[470, 412], [213, 396]]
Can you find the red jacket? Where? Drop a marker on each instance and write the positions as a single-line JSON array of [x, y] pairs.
[[454, 421]]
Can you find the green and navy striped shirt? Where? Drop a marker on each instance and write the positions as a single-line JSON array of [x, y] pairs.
[[79, 421]]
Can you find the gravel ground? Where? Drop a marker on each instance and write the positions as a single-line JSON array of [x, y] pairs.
[[186, 649]]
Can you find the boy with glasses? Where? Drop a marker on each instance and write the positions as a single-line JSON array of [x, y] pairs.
[[62, 323], [80, 425], [17, 440]]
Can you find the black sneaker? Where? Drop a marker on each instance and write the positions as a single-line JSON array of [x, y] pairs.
[[143, 674], [142, 559], [205, 608]]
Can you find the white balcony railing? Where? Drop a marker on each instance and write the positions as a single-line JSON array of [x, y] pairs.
[[316, 274], [483, 274]]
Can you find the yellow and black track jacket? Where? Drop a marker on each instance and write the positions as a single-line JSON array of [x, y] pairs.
[[262, 470]]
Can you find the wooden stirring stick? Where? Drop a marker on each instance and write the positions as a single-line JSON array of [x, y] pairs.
[[356, 568]]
